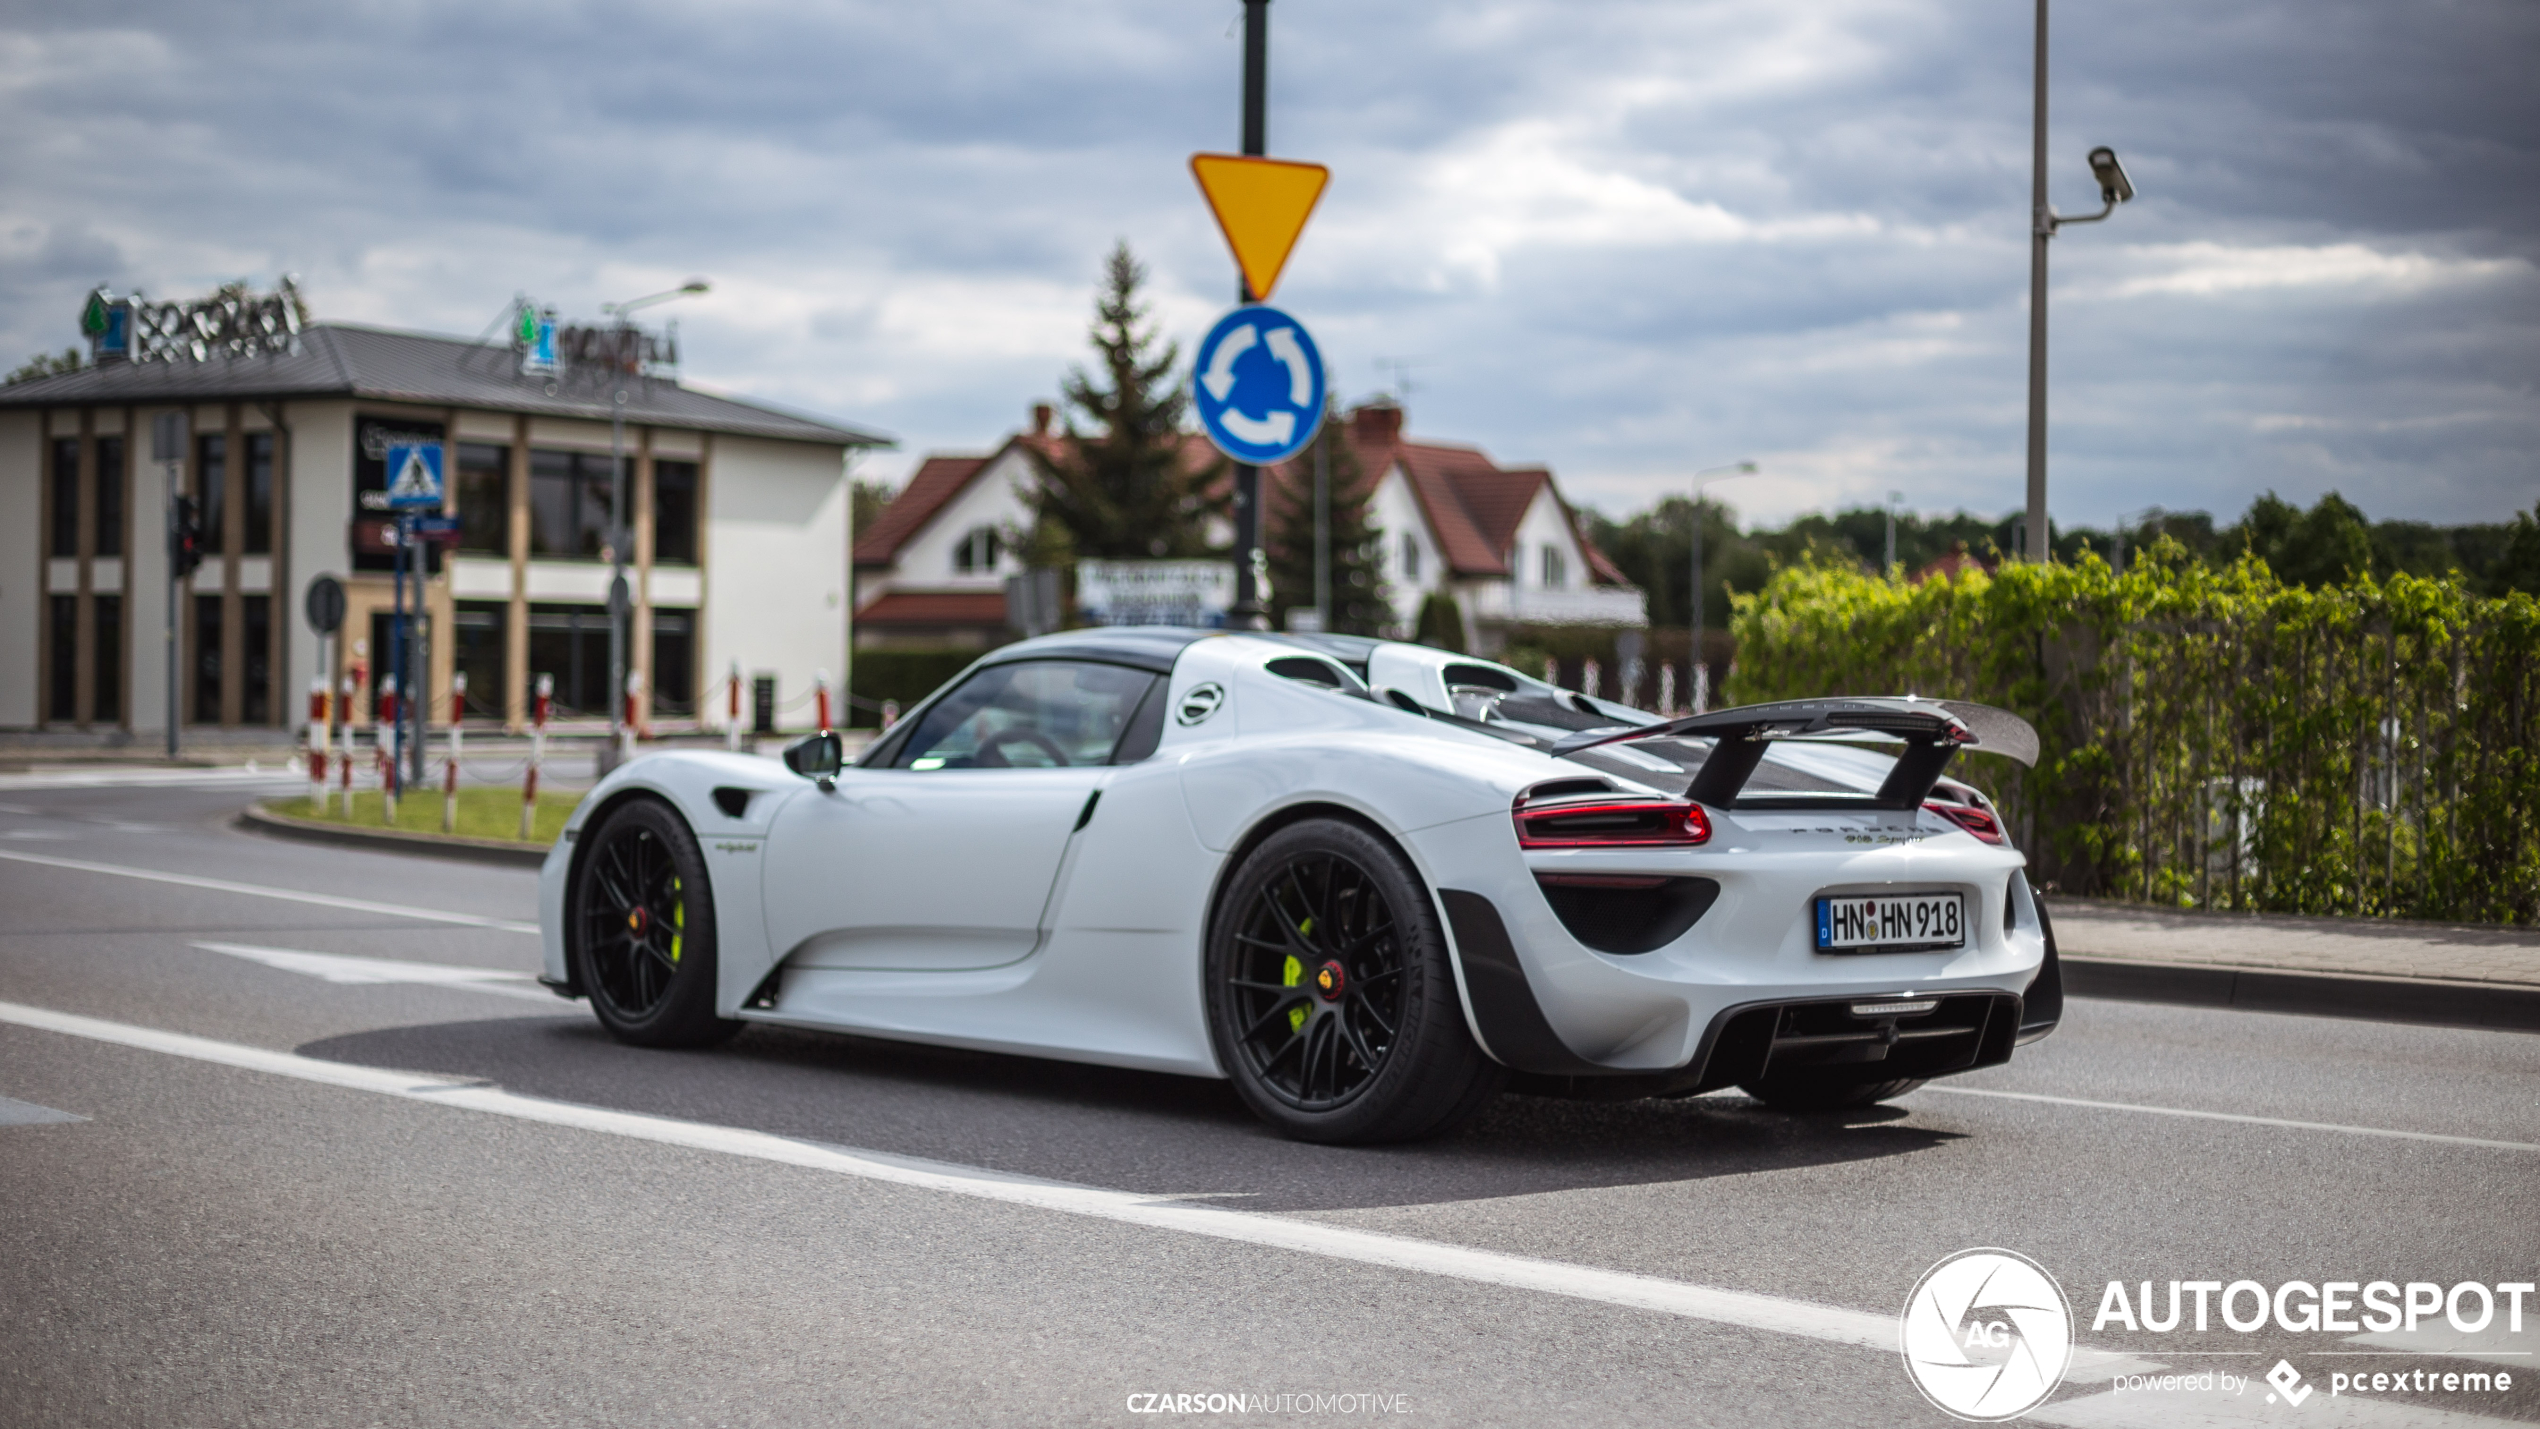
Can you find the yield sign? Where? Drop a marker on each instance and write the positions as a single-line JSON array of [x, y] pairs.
[[1261, 206]]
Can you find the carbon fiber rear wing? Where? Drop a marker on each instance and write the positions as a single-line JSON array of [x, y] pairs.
[[1933, 732]]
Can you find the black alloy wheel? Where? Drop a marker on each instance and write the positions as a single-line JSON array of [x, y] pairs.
[[643, 930], [1331, 1003]]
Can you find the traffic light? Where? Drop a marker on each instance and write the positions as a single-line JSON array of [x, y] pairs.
[[185, 539]]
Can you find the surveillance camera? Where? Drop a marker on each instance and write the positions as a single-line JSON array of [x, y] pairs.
[[2114, 186]]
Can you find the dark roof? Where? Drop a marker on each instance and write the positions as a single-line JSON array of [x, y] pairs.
[[1473, 504], [938, 479], [341, 360], [1148, 647], [935, 607]]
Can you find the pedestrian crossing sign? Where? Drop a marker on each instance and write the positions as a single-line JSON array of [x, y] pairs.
[[414, 476]]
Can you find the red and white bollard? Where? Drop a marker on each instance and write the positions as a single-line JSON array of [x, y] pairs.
[[450, 771], [890, 713], [1591, 675], [631, 714], [344, 753], [820, 687], [318, 738], [732, 728], [384, 741], [537, 753], [1667, 688]]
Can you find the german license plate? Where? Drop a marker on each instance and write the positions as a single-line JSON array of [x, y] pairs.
[[1898, 923]]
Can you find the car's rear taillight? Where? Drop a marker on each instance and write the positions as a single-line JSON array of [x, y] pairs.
[[1967, 816], [1612, 823]]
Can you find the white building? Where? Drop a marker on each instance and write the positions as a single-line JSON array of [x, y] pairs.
[[739, 550], [1502, 541]]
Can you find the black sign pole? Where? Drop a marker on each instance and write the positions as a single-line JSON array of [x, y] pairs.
[[1247, 612]]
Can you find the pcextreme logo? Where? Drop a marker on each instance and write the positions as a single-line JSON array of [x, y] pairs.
[[1987, 1334]]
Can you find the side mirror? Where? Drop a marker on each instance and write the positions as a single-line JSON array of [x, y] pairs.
[[817, 757]]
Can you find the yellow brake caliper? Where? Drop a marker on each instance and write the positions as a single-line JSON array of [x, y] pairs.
[[678, 920], [1293, 974]]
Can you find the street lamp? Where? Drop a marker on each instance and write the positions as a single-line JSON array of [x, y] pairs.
[[1698, 678], [621, 530], [2114, 188]]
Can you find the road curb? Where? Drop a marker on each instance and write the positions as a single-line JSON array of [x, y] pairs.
[[2427, 1001], [256, 818]]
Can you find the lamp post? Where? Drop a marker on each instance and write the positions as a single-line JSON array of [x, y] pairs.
[[2114, 188], [622, 359], [1698, 675]]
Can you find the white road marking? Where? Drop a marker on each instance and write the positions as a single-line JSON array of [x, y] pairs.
[[336, 967], [17, 1113], [1859, 1328], [129, 777], [2235, 1116], [290, 895]]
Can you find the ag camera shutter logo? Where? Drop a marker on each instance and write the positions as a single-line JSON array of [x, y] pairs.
[[1987, 1335]]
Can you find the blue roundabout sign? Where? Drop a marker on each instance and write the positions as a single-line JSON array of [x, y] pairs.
[[1259, 385]]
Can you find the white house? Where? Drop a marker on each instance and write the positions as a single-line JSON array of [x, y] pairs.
[[738, 551], [932, 568]]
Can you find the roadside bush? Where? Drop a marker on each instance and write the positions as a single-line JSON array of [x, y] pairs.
[[2211, 736]]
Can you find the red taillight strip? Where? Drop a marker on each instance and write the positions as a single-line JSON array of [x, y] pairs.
[[1612, 823], [1967, 816]]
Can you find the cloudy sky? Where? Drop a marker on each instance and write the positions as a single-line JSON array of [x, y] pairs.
[[1629, 240]]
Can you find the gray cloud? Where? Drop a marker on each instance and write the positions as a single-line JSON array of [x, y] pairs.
[[1628, 239]]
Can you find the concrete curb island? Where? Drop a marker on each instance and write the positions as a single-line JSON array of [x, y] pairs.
[[257, 818]]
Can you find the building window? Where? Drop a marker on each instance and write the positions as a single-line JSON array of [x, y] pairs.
[[674, 683], [977, 553], [1410, 557], [259, 494], [569, 504], [66, 496], [255, 658], [1555, 570], [207, 635], [571, 642], [211, 484], [105, 704], [110, 478], [485, 500], [62, 615], [480, 656], [675, 512]]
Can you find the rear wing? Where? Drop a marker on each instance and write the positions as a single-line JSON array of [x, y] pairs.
[[1933, 731]]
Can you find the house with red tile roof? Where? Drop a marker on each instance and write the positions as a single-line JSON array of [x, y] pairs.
[[931, 569], [1501, 540]]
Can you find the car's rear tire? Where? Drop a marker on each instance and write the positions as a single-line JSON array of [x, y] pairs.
[[1818, 1093], [1330, 1002], [641, 929]]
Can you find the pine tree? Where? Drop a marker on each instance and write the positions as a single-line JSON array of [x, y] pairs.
[[1120, 490], [1360, 605]]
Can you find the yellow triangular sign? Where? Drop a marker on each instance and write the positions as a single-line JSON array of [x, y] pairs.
[[1261, 206]]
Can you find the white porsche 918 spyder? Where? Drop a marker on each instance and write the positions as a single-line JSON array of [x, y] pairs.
[[1372, 883]]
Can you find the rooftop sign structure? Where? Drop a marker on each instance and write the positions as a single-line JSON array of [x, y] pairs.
[[1261, 207], [230, 323]]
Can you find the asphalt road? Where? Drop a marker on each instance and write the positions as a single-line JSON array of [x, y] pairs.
[[360, 1201]]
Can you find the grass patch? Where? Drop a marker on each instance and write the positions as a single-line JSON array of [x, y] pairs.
[[485, 813]]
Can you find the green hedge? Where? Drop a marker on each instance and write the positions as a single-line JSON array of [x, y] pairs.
[[2212, 738], [903, 675]]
